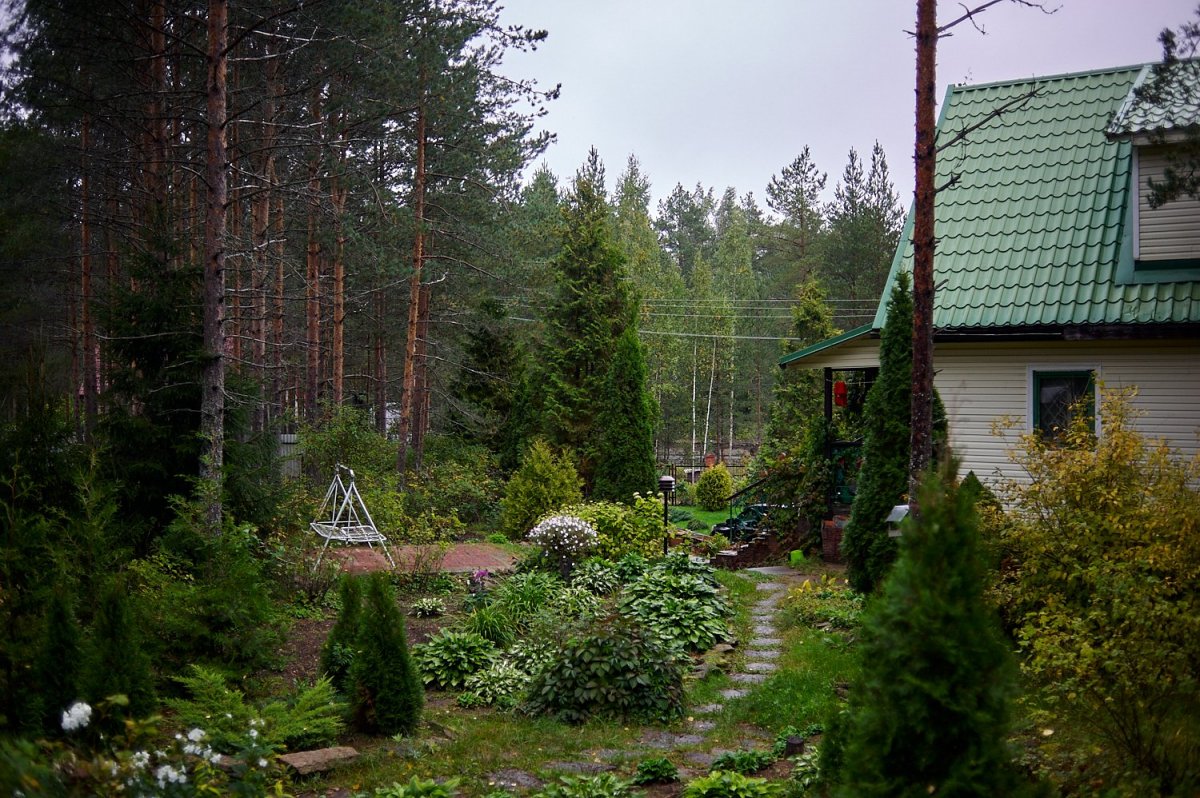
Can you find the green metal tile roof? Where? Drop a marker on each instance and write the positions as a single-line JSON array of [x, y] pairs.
[[850, 335], [1162, 103], [1034, 233]]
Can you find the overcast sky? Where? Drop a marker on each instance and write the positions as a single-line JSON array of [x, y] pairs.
[[727, 92]]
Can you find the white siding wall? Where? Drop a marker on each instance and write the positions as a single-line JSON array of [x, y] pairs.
[[1171, 232], [856, 354], [981, 383]]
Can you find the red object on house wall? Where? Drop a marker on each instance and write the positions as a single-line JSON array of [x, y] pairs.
[[839, 393]]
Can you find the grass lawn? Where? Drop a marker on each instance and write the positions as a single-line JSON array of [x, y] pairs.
[[709, 517]]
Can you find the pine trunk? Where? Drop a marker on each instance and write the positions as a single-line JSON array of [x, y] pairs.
[[921, 441], [212, 407], [312, 296], [408, 387], [90, 359]]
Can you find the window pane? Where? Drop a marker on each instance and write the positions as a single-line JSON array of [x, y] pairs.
[[1057, 394]]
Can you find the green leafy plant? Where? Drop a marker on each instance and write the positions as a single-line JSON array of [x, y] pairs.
[[729, 784], [1102, 555], [428, 607], [826, 604], [574, 602], [806, 773], [630, 567], [779, 747], [415, 788], [714, 488], [603, 785], [595, 575], [686, 608], [491, 622], [499, 684], [387, 696], [624, 528], [497, 539], [312, 717], [612, 667], [657, 770], [448, 658], [523, 595], [745, 762]]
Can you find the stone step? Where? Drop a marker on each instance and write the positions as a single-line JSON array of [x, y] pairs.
[[318, 760], [749, 678]]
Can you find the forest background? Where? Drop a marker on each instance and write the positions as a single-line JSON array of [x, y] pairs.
[[350, 131]]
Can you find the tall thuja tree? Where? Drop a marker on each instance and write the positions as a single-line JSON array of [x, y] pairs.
[[883, 480], [663, 293], [929, 712], [625, 433], [593, 308]]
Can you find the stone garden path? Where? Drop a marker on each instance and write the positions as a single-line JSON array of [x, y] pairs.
[[688, 749]]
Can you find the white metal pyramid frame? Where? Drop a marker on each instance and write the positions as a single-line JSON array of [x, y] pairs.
[[344, 517]]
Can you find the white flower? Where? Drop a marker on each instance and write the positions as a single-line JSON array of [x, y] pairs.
[[262, 763], [169, 775], [140, 759], [196, 735], [253, 734], [77, 716]]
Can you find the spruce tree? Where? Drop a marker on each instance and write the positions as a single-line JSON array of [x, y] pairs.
[[625, 457], [387, 692], [883, 480], [929, 713], [593, 308], [337, 653]]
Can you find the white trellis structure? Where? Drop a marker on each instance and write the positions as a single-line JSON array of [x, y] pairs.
[[344, 517]]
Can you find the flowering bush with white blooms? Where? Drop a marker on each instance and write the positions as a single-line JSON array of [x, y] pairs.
[[142, 762], [564, 539]]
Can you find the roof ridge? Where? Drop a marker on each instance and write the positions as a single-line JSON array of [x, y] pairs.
[[1047, 78]]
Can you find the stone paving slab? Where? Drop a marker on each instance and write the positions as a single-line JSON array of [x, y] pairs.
[[749, 678], [764, 628], [761, 667], [320, 760], [762, 654], [734, 692], [701, 726], [664, 740], [766, 642], [580, 767], [512, 779], [770, 586], [706, 709]]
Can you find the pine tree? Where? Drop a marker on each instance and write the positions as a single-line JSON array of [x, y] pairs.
[[929, 713], [387, 692], [795, 195], [338, 650], [883, 480], [625, 458]]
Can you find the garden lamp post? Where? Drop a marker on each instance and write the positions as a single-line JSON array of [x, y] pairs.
[[666, 484]]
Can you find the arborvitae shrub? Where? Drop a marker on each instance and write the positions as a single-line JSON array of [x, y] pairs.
[[387, 694], [883, 480], [57, 665], [115, 663], [929, 712], [545, 482], [337, 653], [714, 487]]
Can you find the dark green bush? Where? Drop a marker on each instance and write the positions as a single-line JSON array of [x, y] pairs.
[[387, 693], [337, 652], [929, 712], [613, 667], [56, 666], [714, 488], [115, 662], [448, 658]]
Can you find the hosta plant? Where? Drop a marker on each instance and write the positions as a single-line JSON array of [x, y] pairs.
[[604, 785], [657, 770], [429, 607], [596, 575], [730, 784], [500, 684], [745, 762], [448, 658], [415, 788]]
